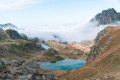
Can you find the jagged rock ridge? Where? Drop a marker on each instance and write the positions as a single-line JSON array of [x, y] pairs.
[[107, 17]]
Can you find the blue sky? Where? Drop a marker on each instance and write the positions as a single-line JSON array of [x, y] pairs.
[[52, 12]]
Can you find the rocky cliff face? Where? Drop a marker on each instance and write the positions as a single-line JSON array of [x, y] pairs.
[[107, 17]]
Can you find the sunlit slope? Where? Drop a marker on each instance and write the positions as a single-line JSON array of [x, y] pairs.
[[104, 59], [69, 50]]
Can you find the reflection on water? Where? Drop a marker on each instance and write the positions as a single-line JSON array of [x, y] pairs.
[[63, 64]]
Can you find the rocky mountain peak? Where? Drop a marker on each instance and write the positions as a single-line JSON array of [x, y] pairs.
[[7, 26], [107, 17]]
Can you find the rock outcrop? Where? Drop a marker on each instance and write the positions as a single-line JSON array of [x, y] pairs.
[[25, 70], [99, 48], [107, 17]]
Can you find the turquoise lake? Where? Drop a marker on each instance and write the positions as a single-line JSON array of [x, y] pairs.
[[63, 64], [45, 46]]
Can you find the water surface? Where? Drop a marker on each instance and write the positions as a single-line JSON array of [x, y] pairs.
[[63, 64], [45, 46]]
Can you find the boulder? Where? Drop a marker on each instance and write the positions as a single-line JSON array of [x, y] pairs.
[[31, 66], [5, 61], [0, 63], [5, 76], [16, 70], [49, 76], [27, 70], [24, 77], [14, 63]]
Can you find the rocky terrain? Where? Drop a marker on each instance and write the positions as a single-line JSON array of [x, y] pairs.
[[107, 17], [17, 60], [104, 60], [84, 46], [70, 50], [24, 70]]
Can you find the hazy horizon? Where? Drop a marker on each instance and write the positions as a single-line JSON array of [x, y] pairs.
[[68, 19]]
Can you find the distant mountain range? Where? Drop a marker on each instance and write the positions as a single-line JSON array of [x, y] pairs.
[[107, 17], [8, 25]]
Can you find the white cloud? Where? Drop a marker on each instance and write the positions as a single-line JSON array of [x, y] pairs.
[[69, 33], [17, 4]]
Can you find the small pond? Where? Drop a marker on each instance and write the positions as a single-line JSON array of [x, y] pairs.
[[45, 46], [63, 64]]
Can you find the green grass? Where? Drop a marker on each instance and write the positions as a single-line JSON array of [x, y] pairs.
[[52, 55]]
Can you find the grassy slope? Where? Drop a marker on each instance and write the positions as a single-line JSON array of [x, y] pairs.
[[66, 50], [108, 63], [19, 49], [50, 55]]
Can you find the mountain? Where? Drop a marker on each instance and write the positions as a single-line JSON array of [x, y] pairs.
[[13, 34], [8, 25], [69, 50], [84, 46], [15, 46], [104, 60], [20, 57], [107, 17], [20, 47]]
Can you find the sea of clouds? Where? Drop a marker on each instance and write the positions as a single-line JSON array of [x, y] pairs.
[[69, 33]]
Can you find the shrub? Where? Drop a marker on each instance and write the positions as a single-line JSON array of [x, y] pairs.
[[59, 58]]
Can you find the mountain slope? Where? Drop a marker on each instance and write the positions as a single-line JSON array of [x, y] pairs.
[[13, 34], [15, 46], [107, 17], [104, 60], [68, 50], [84, 46]]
